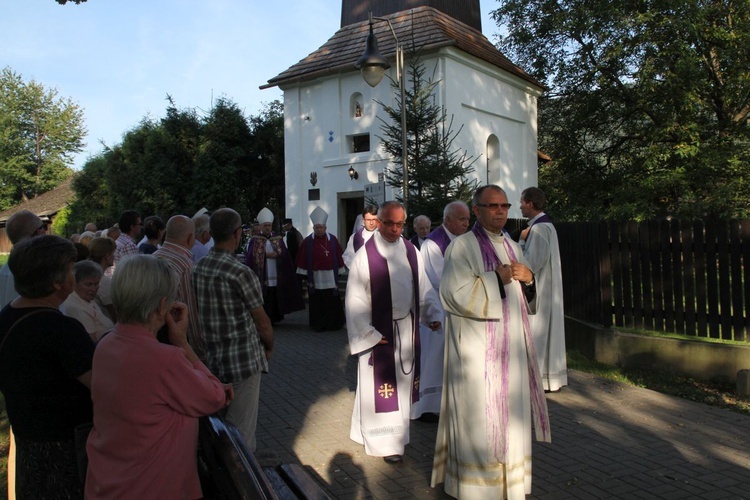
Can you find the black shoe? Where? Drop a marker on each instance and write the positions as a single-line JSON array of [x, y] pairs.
[[393, 459], [430, 418]]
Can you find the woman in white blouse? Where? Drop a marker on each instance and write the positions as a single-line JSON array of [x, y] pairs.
[[81, 304]]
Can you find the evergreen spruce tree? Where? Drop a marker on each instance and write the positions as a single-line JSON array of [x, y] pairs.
[[438, 172]]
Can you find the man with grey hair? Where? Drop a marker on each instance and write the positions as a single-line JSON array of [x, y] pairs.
[[176, 252], [202, 237], [455, 223], [493, 391], [422, 225], [20, 225], [236, 329]]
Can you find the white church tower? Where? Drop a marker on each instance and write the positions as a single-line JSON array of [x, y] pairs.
[[332, 152]]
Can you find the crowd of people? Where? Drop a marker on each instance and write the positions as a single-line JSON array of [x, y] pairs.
[[100, 333]]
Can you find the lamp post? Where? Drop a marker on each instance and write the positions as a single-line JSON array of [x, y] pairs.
[[373, 66]]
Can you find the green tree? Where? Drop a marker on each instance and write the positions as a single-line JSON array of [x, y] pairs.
[[265, 177], [39, 134], [437, 170], [92, 203], [183, 162], [648, 103], [152, 170], [223, 161]]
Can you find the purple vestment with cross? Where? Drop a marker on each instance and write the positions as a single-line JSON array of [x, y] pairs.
[[383, 356]]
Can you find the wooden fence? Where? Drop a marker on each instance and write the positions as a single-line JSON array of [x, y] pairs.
[[688, 277]]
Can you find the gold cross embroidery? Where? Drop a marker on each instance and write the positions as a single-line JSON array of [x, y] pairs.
[[386, 391]]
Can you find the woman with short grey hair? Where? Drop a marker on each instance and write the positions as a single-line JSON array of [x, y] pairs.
[[81, 304], [148, 395]]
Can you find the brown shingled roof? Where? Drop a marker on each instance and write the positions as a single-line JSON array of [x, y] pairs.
[[425, 26], [46, 205]]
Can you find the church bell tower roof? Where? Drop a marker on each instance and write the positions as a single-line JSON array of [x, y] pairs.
[[425, 27]]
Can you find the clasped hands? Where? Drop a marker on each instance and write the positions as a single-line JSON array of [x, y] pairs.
[[515, 271]]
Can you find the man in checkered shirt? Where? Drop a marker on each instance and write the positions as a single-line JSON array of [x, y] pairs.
[[236, 330], [130, 231]]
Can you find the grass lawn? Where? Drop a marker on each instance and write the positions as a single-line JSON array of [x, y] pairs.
[[3, 258], [715, 393]]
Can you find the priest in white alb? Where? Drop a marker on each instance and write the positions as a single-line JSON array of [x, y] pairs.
[[540, 247], [455, 223], [387, 295], [492, 391]]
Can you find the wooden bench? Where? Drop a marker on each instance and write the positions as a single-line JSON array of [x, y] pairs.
[[232, 471]]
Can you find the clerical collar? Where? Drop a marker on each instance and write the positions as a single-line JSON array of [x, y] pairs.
[[494, 236], [540, 214], [450, 235], [386, 242]]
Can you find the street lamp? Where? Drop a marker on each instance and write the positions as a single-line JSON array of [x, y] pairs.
[[373, 66]]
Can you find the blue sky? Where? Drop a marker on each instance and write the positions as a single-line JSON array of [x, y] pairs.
[[118, 59]]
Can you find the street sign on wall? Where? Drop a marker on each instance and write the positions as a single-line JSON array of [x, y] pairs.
[[375, 193]]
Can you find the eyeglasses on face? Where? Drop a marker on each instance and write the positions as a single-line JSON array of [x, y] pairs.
[[40, 230], [495, 206], [390, 223]]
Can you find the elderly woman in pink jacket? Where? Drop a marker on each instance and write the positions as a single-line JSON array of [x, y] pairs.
[[148, 395]]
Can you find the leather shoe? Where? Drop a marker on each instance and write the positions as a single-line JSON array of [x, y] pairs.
[[393, 459]]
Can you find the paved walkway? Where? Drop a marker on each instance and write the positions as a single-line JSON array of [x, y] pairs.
[[608, 440]]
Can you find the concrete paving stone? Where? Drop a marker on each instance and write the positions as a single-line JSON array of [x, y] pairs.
[[673, 494], [619, 489], [593, 491], [607, 438], [558, 495], [742, 491], [593, 475]]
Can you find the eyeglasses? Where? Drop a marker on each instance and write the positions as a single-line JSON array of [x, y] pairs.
[[495, 206], [40, 229], [390, 223]]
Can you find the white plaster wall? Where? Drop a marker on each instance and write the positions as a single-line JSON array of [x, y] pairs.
[[318, 120]]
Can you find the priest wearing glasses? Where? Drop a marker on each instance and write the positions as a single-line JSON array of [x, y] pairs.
[[388, 295], [492, 386], [319, 260]]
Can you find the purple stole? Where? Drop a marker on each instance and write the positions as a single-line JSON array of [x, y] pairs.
[[541, 219], [359, 240], [497, 362], [383, 357], [440, 237]]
